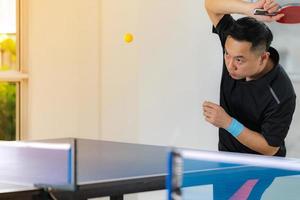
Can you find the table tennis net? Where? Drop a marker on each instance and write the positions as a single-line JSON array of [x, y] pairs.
[[45, 165], [194, 175]]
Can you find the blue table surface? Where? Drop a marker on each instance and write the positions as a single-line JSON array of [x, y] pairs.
[[210, 180]]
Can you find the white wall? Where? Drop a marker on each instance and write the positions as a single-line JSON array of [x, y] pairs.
[[176, 74], [62, 49], [119, 71], [153, 88], [293, 137]]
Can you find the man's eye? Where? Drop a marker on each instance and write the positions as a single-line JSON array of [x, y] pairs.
[[239, 60]]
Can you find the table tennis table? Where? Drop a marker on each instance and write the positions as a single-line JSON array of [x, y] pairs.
[[105, 168]]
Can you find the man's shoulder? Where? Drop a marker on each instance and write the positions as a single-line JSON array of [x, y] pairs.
[[282, 85]]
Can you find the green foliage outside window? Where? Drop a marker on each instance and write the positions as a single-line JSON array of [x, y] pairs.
[[7, 111], [7, 90], [8, 52]]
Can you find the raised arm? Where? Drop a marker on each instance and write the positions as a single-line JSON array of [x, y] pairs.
[[216, 9]]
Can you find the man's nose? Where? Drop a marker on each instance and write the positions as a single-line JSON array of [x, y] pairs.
[[230, 65]]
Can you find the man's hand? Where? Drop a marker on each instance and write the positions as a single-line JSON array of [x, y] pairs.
[[269, 5], [216, 115]]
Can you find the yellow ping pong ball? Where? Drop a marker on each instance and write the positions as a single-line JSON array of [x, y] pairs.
[[128, 37]]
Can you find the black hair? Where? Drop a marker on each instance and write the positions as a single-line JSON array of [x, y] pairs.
[[253, 31]]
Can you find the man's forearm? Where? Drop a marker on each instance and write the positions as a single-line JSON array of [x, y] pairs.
[[221, 7], [256, 142], [216, 9]]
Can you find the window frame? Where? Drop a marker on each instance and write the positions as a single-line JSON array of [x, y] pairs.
[[20, 78]]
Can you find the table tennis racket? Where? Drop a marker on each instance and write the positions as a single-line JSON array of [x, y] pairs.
[[291, 13]]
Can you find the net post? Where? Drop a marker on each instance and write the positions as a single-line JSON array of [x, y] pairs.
[[174, 177]]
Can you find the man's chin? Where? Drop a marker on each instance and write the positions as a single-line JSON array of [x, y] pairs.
[[235, 77]]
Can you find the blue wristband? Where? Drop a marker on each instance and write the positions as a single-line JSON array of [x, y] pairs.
[[235, 128]]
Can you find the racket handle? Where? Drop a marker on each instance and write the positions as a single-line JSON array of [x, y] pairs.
[[259, 11]]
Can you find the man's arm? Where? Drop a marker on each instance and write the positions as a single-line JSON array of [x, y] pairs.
[[217, 116], [256, 142], [216, 9]]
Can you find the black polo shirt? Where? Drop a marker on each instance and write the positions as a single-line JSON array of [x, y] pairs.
[[265, 105]]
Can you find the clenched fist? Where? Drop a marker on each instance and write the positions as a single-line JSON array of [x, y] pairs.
[[216, 115]]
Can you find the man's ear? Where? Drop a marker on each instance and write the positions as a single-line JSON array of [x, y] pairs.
[[264, 58]]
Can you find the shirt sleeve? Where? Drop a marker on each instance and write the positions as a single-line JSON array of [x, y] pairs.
[[277, 122], [222, 27]]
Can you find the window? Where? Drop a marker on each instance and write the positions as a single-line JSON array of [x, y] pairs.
[[11, 76]]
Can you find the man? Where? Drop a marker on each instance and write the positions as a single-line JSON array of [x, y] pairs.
[[257, 99]]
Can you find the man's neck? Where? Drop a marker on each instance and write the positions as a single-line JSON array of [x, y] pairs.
[[269, 66]]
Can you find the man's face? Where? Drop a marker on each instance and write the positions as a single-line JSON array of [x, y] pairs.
[[240, 61]]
